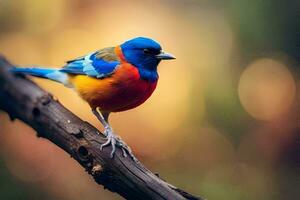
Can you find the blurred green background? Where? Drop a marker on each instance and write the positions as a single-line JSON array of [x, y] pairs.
[[223, 122]]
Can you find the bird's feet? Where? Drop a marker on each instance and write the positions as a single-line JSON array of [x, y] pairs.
[[114, 141]]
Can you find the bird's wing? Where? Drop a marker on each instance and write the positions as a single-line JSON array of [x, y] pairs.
[[98, 64]]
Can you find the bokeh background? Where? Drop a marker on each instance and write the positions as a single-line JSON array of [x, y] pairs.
[[223, 122]]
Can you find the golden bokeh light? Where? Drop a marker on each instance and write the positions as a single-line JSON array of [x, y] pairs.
[[266, 89]]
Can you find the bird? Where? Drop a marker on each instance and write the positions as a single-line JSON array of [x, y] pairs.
[[112, 79]]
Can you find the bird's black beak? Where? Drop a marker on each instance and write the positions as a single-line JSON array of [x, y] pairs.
[[165, 56]]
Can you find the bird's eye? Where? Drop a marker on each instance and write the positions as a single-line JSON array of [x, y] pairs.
[[147, 51], [151, 51]]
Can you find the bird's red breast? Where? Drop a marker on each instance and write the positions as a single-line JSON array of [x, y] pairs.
[[123, 90]]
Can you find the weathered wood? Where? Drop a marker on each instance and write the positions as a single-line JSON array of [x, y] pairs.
[[23, 99]]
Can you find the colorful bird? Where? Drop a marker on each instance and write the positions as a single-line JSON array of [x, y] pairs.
[[112, 79]]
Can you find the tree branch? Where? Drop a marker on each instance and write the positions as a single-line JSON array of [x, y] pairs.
[[23, 99]]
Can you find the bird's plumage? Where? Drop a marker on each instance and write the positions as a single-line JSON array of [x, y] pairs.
[[48, 73], [121, 91], [141, 52], [114, 78], [97, 64]]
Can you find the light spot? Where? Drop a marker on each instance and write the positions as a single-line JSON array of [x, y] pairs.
[[266, 89]]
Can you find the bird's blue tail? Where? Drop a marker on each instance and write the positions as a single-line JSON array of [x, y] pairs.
[[48, 73]]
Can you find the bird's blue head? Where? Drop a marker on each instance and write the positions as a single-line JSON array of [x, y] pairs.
[[145, 54]]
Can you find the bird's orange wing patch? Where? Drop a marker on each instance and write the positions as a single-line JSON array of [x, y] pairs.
[[119, 53]]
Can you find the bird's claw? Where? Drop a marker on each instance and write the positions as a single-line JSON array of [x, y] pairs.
[[114, 141], [111, 140], [126, 150]]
